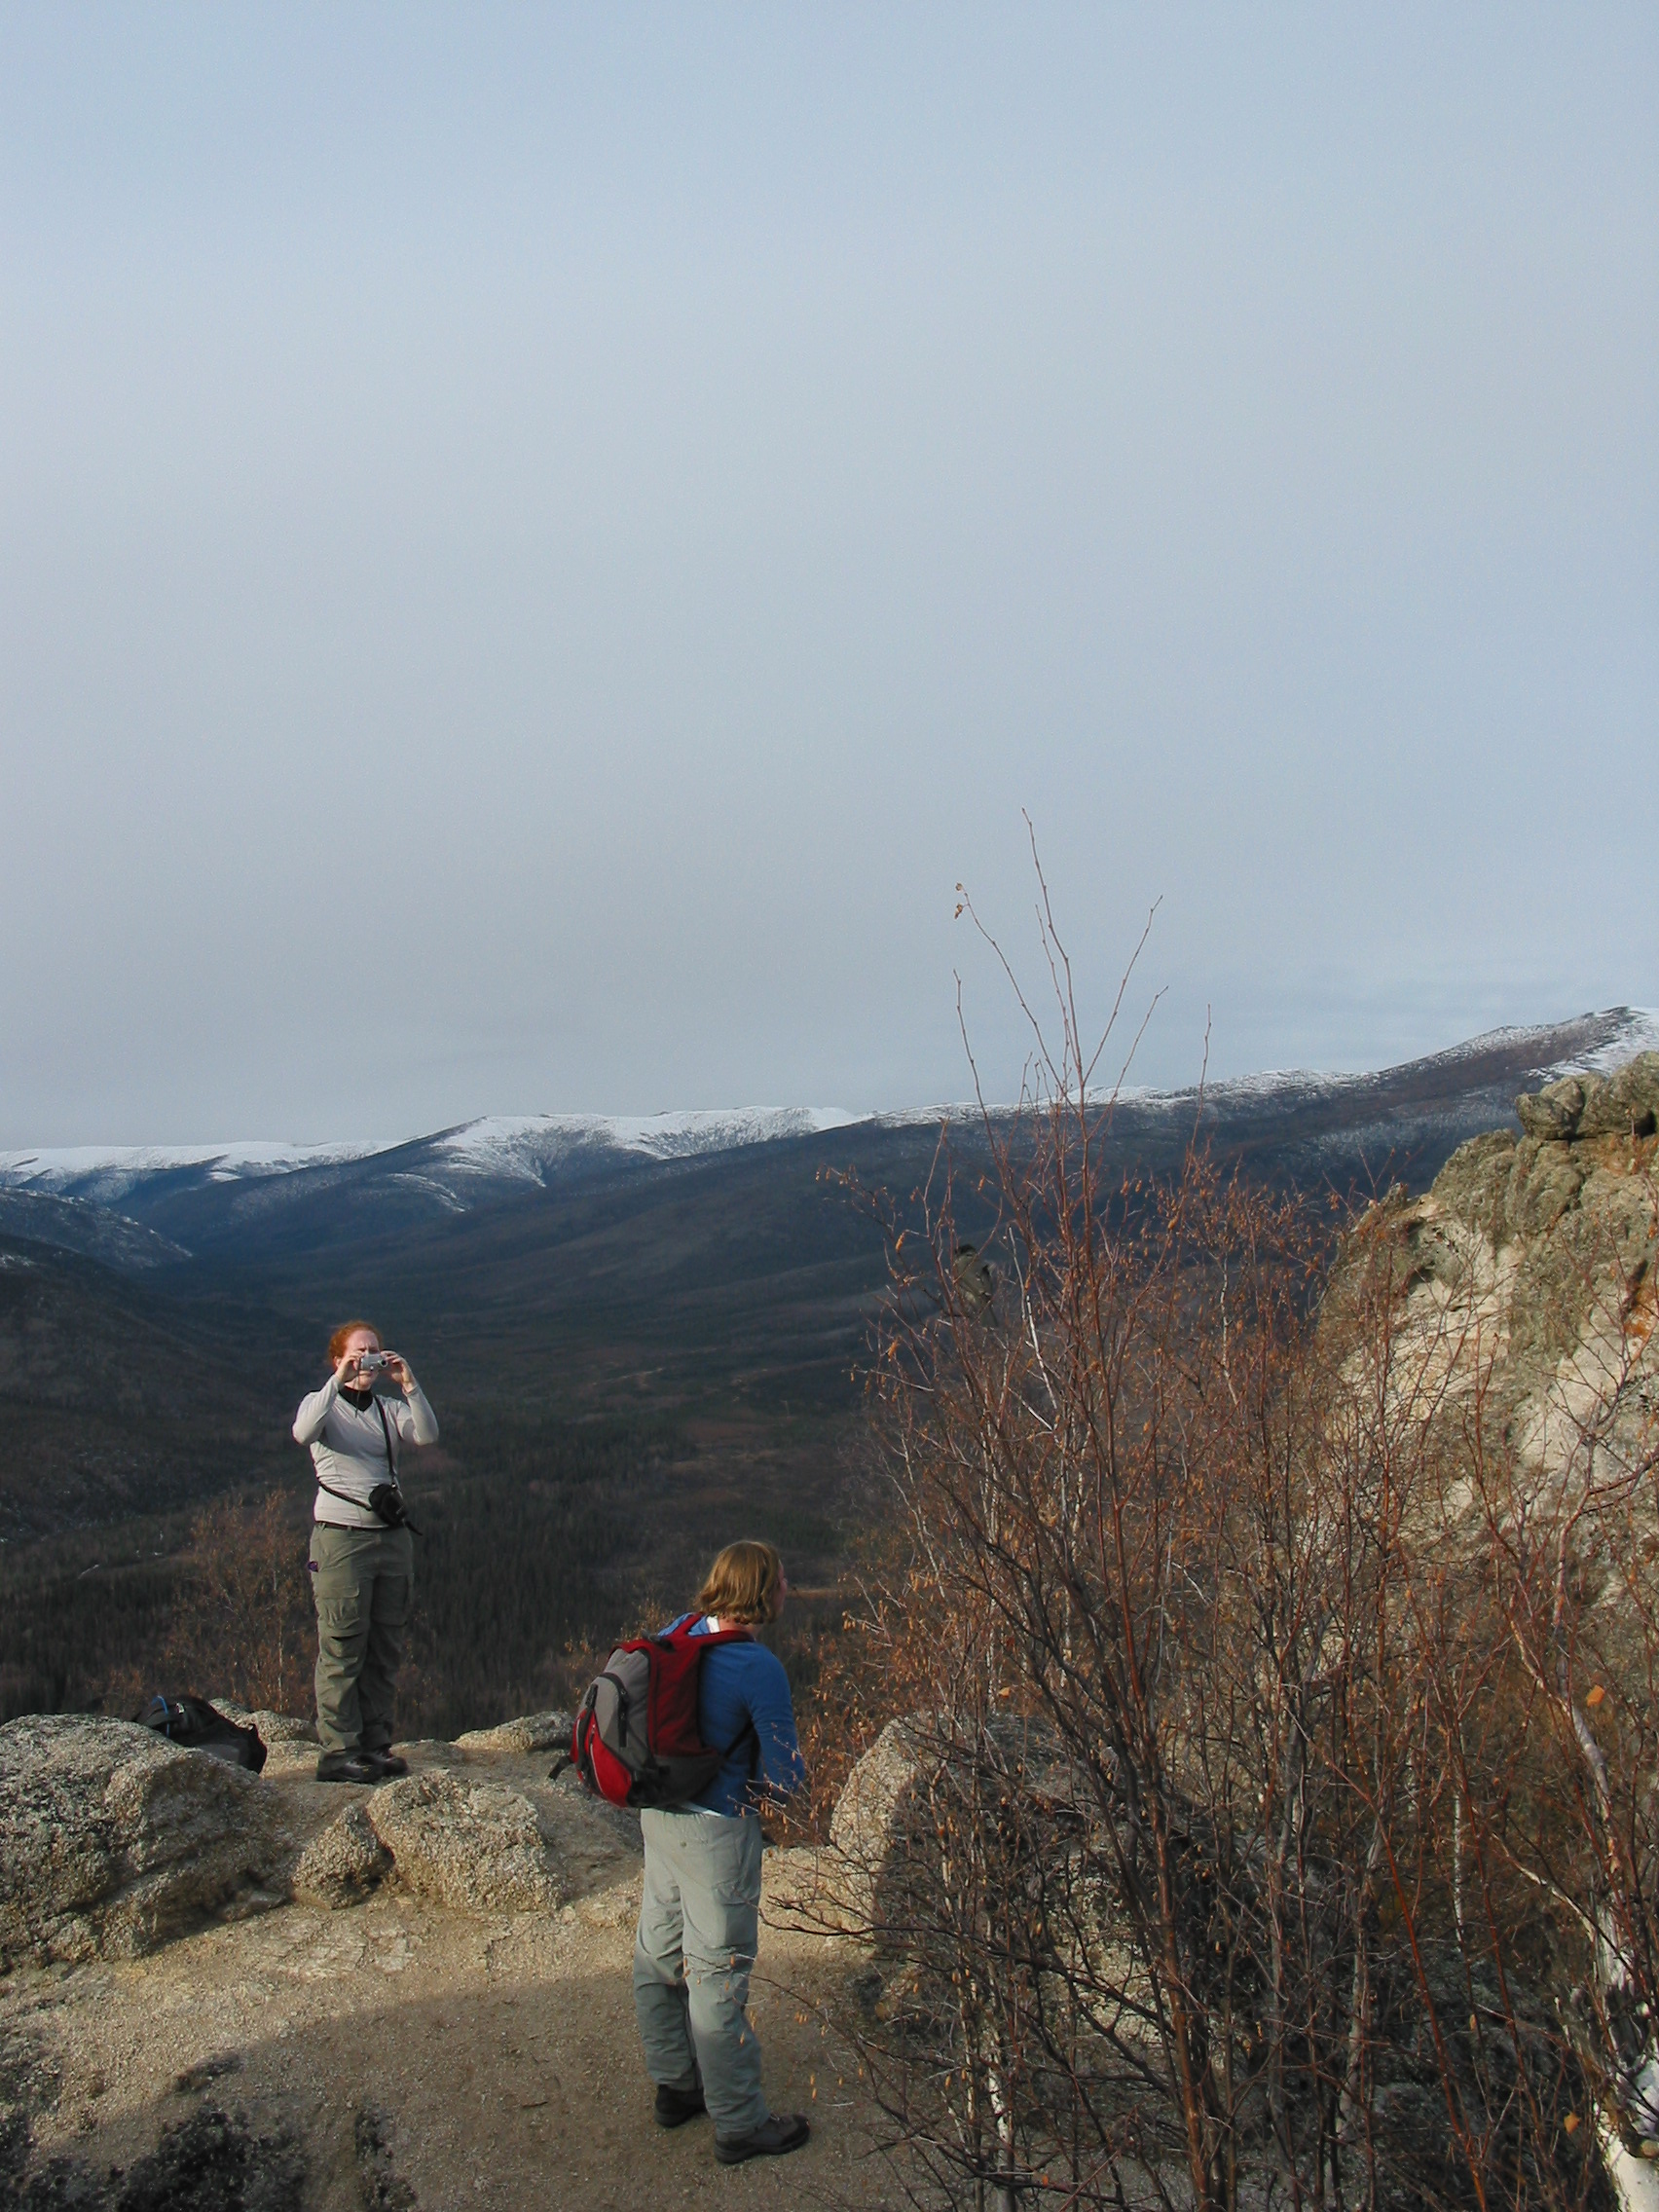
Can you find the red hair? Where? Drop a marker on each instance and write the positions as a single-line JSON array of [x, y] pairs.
[[346, 1330]]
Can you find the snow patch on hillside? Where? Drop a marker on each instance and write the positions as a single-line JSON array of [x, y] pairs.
[[1639, 1034]]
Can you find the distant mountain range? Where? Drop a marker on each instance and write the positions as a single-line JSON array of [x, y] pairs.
[[521, 1148], [148, 1206], [693, 1258]]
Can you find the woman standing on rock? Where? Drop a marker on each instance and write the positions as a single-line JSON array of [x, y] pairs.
[[700, 1913], [363, 1557]]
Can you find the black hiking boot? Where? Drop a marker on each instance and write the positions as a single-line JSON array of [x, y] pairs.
[[781, 2133], [349, 1766], [386, 1762], [674, 2106]]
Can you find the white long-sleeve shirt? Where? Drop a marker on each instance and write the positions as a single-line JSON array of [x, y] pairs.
[[348, 1445]]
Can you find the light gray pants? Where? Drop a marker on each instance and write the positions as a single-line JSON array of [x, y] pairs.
[[699, 1924], [363, 1580]]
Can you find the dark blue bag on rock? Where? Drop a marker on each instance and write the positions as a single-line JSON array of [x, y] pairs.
[[195, 1725]]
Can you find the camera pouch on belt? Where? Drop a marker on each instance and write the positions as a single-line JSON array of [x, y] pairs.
[[386, 1503]]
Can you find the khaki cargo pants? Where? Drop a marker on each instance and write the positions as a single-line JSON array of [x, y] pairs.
[[363, 1580], [694, 1952]]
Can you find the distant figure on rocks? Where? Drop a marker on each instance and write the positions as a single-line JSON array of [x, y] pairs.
[[362, 1556], [700, 1914]]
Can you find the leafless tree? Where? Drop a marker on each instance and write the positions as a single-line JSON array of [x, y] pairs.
[[1203, 1896], [244, 1625]]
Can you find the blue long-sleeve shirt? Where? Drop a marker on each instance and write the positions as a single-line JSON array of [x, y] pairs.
[[738, 1684]]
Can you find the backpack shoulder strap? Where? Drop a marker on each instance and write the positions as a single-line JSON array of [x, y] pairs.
[[712, 1642], [713, 1637]]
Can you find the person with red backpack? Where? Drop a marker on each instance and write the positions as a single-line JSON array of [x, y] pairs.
[[700, 1915]]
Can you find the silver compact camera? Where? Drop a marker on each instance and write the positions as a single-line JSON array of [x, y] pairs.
[[371, 1362]]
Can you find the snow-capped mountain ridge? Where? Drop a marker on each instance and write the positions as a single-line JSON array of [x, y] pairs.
[[106, 1173], [1595, 1044], [529, 1148], [494, 1145]]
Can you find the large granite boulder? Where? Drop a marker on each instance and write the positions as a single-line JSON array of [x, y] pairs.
[[883, 1833], [112, 1839], [474, 1846], [874, 1823]]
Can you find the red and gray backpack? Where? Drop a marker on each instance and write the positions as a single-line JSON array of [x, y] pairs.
[[634, 1740]]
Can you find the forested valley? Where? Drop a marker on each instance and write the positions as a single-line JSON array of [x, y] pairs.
[[541, 1539]]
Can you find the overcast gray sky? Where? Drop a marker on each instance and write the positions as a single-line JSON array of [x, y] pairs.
[[539, 544]]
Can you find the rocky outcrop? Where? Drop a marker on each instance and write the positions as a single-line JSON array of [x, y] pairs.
[[342, 1863], [290, 1741], [112, 1840], [1623, 1105], [1530, 1275], [474, 1846]]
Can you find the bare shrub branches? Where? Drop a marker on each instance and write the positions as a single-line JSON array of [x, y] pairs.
[[244, 1624], [1229, 1866]]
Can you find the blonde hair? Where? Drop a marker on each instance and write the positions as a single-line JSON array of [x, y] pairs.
[[743, 1585]]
